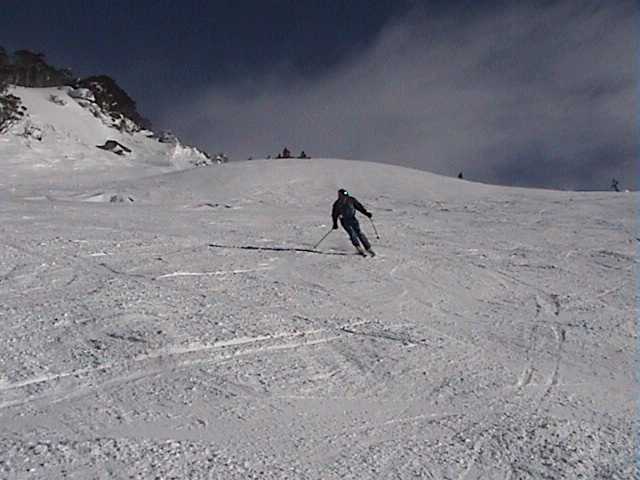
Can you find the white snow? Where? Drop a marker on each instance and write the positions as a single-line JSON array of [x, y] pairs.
[[492, 337], [207, 274], [56, 142]]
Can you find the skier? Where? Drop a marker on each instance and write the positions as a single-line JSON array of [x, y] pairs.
[[615, 185], [345, 208]]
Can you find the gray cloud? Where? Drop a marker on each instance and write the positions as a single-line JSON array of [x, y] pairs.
[[536, 94]]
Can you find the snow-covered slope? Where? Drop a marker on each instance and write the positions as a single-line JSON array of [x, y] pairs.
[[59, 135], [192, 334]]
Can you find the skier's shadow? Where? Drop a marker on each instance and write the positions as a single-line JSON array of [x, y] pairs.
[[277, 249]]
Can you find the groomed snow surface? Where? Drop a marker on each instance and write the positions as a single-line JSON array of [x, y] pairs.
[[492, 337]]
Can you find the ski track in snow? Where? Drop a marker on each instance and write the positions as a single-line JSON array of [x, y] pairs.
[[210, 274], [139, 371], [490, 338]]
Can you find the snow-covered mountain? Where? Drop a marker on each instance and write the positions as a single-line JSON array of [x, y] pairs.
[[65, 133], [194, 332]]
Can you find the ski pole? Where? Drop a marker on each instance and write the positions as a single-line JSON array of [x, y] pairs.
[[374, 228], [325, 236]]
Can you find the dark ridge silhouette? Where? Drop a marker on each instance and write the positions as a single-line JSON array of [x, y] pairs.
[[30, 69], [112, 99]]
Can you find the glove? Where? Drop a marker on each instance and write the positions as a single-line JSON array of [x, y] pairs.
[[368, 214]]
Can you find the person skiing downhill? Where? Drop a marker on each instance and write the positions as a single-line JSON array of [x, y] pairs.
[[345, 208]]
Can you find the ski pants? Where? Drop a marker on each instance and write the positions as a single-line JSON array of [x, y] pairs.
[[352, 227]]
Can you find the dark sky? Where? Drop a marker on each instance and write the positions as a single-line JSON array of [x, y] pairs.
[[530, 93]]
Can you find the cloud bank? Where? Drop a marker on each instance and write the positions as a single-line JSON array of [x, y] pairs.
[[537, 94]]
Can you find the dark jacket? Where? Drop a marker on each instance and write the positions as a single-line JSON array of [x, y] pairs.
[[346, 207]]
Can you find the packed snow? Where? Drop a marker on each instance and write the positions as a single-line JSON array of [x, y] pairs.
[[188, 329]]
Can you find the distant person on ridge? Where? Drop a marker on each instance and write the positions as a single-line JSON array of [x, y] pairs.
[[345, 208]]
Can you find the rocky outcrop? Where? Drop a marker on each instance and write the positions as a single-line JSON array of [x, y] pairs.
[[10, 109], [115, 147], [111, 99]]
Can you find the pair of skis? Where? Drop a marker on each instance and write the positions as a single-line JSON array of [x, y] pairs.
[[362, 252]]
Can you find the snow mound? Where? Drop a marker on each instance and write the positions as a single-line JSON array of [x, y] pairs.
[[313, 182], [63, 130]]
